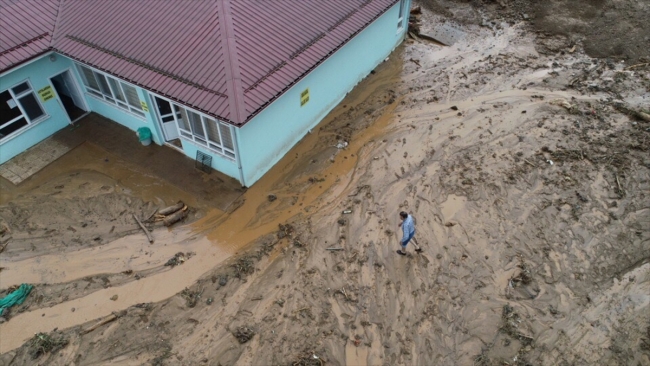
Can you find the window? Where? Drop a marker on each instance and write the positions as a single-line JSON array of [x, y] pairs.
[[111, 90], [19, 108], [400, 17], [197, 128]]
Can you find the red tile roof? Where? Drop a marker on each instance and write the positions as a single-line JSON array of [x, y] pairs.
[[26, 29], [227, 58]]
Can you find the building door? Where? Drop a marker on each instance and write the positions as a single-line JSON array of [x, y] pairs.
[[69, 95], [167, 118]]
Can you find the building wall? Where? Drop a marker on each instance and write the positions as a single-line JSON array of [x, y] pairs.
[[272, 133], [221, 163], [38, 74], [126, 119]]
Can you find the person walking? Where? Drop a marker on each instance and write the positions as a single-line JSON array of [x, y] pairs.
[[408, 233]]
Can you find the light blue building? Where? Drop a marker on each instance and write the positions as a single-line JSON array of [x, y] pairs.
[[240, 83]]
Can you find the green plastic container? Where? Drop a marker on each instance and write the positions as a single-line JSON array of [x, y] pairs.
[[144, 134]]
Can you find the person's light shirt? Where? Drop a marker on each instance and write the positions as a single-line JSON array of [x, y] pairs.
[[408, 226]]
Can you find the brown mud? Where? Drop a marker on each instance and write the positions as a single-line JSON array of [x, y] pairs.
[[528, 174]]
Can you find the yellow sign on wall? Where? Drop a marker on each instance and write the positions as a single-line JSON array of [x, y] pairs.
[[46, 93], [144, 106], [304, 97]]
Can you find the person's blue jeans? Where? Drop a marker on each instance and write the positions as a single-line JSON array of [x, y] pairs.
[[406, 240]]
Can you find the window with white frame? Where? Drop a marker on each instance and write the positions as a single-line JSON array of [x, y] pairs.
[[400, 18], [19, 108], [111, 90], [201, 129]]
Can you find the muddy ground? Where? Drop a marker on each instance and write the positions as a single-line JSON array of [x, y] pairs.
[[526, 167]]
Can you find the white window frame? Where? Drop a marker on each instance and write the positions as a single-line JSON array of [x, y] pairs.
[[400, 16], [15, 97], [191, 136], [115, 95]]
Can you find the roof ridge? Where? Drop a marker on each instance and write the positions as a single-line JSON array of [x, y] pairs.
[[55, 26], [234, 86]]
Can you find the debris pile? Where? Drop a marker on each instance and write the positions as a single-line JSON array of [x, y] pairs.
[[191, 297], [178, 259], [414, 21], [170, 215], [43, 343]]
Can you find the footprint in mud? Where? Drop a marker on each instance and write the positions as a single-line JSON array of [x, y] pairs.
[[424, 260]]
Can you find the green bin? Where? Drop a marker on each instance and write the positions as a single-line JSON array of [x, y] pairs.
[[144, 134]]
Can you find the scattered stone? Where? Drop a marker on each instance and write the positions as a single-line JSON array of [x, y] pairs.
[[114, 298], [271, 197], [243, 334], [223, 280]]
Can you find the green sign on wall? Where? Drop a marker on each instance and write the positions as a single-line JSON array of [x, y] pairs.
[[304, 97], [46, 93]]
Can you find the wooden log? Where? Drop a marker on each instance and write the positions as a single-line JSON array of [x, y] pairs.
[[144, 229], [175, 217], [171, 209], [107, 320]]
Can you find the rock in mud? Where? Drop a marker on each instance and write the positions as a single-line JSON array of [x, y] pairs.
[[243, 334], [223, 280]]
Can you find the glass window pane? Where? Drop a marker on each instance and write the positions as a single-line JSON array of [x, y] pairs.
[[9, 129], [31, 107], [8, 108], [103, 85], [213, 133], [132, 96], [89, 78], [197, 126], [117, 92], [183, 120], [20, 88], [226, 137], [164, 108]]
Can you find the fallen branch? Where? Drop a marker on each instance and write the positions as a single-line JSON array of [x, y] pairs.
[[171, 209], [342, 290], [144, 229], [2, 249], [333, 248], [151, 216], [108, 319], [175, 217], [529, 163], [299, 310], [637, 65]]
